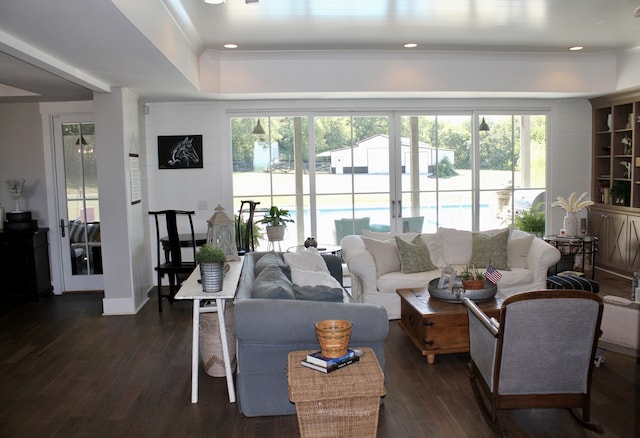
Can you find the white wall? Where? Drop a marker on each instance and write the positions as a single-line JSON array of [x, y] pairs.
[[22, 157], [188, 189], [326, 74], [124, 244], [200, 190], [569, 160], [628, 69]]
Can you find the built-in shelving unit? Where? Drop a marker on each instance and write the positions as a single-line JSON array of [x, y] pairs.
[[616, 151], [615, 217]]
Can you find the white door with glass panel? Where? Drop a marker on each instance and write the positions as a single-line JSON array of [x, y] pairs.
[[78, 206]]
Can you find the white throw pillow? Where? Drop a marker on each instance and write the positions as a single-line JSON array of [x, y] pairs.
[[384, 253], [307, 260], [378, 235], [303, 277], [456, 245], [435, 249], [518, 251]]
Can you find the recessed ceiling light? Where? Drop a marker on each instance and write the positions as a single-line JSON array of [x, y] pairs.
[[231, 46], [576, 48], [214, 2], [410, 45]]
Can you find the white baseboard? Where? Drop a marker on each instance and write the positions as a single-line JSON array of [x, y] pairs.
[[118, 306]]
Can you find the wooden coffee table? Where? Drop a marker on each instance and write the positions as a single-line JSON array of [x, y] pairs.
[[438, 327]]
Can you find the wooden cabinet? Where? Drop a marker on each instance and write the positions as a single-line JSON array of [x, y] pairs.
[[619, 239], [438, 327], [24, 264]]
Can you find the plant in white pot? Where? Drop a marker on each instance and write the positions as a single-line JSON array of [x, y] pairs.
[[276, 221], [572, 205], [212, 265]]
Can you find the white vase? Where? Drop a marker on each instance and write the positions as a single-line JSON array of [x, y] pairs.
[[571, 225]]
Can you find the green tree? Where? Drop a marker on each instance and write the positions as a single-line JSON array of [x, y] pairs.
[[445, 169]]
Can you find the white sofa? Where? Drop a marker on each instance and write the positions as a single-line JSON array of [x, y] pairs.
[[376, 267]]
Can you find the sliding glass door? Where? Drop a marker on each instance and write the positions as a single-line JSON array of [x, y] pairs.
[[341, 174]]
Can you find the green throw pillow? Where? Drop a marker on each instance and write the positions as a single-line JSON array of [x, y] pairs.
[[414, 256], [490, 249]]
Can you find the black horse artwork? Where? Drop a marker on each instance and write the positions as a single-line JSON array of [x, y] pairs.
[[180, 152]]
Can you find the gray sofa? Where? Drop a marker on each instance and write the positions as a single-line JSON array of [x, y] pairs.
[[268, 329]]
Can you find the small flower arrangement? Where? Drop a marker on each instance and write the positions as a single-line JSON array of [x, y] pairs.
[[470, 272], [572, 204], [472, 278]]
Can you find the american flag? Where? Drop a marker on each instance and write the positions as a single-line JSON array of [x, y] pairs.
[[492, 274]]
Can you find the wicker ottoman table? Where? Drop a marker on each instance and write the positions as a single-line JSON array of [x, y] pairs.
[[342, 403]]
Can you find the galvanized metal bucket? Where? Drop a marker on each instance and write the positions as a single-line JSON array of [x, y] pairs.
[[211, 275]]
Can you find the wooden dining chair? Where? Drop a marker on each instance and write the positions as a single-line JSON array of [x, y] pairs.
[[169, 248]]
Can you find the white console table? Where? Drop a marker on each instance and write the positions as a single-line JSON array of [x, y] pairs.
[[191, 289]]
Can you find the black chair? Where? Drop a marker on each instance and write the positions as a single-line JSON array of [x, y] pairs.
[[170, 246], [245, 237]]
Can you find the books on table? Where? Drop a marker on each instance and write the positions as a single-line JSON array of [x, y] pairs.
[[330, 368], [318, 362]]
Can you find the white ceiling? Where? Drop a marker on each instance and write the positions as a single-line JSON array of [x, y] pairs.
[[66, 49]]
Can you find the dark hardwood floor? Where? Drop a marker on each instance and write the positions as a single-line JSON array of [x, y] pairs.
[[67, 371]]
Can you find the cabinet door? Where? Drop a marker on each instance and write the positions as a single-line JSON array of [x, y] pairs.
[[616, 240], [597, 220], [633, 257]]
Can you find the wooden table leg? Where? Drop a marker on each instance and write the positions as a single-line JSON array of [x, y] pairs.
[[431, 359]]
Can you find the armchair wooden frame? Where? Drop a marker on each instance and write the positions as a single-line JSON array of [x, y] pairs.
[[540, 354]]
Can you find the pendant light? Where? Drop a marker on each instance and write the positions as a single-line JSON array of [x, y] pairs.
[[258, 130], [484, 126]]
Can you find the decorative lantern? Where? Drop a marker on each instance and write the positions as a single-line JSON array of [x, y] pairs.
[[221, 233]]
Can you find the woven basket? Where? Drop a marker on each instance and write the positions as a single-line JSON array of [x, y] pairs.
[[333, 336], [211, 344]]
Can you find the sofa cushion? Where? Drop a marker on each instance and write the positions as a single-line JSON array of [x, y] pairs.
[[490, 249], [414, 256], [318, 293], [269, 259], [518, 251], [313, 278], [272, 283], [384, 253], [307, 260], [407, 237], [456, 245]]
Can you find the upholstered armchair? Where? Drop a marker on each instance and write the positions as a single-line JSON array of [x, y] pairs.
[[540, 354]]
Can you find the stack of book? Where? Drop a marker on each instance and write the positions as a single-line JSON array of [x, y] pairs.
[[318, 362]]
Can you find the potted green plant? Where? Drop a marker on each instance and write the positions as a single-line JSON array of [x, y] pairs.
[[472, 278], [255, 235], [619, 192], [531, 220], [212, 263], [276, 221]]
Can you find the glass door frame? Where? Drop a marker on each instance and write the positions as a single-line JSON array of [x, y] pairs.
[[70, 281]]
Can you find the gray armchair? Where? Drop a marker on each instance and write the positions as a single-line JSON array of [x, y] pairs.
[[540, 354]]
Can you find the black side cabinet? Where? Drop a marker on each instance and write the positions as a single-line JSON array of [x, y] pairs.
[[24, 264]]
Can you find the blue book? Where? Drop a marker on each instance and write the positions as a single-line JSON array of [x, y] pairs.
[[318, 359], [331, 367]]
